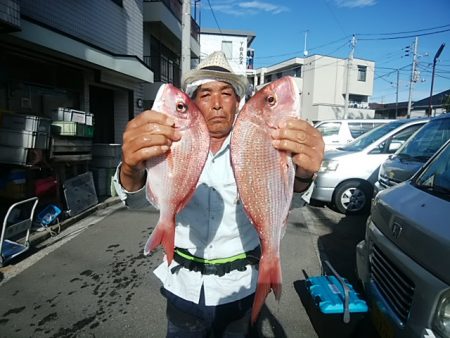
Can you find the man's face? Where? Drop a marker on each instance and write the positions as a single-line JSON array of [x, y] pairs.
[[218, 103]]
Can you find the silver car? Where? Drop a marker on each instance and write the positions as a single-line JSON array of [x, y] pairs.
[[346, 177], [414, 153], [404, 260]]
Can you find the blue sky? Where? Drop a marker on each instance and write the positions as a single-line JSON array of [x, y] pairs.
[[383, 29]]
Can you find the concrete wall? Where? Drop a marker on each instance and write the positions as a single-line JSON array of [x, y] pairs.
[[210, 43]]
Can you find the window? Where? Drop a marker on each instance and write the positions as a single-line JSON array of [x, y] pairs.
[[298, 71], [392, 144], [362, 73], [279, 75], [329, 128], [227, 48]]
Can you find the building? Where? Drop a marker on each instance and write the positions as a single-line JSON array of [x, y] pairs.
[[322, 82], [439, 104], [162, 44], [235, 44], [103, 59]]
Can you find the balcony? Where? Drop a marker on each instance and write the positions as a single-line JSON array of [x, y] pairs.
[[169, 13], [164, 69]]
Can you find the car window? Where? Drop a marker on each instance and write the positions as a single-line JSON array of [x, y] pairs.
[[329, 128], [435, 179], [371, 136], [427, 140], [393, 143]]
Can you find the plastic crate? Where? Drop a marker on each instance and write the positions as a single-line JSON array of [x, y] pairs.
[[23, 139], [21, 122]]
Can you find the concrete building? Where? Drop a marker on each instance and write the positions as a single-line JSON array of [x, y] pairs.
[[103, 57], [322, 84], [86, 56], [162, 44], [235, 44]]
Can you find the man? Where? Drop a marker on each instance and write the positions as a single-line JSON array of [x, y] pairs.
[[205, 298]]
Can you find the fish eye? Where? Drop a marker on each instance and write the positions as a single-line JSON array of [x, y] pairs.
[[271, 100], [181, 107]]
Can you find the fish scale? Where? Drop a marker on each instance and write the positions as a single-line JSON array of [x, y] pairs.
[[265, 176]]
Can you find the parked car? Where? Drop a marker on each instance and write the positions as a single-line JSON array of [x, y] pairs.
[[337, 133], [346, 177], [414, 153], [403, 260]]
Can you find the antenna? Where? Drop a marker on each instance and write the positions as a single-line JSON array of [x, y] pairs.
[[305, 51]]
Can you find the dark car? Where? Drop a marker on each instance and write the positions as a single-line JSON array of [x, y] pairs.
[[414, 153]]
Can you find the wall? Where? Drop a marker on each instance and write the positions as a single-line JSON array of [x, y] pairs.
[[101, 23], [210, 43]]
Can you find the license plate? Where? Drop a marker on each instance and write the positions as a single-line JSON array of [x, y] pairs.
[[382, 324]]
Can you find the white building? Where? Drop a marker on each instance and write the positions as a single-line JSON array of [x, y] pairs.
[[233, 43], [322, 84]]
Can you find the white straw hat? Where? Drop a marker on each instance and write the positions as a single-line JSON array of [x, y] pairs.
[[216, 67]]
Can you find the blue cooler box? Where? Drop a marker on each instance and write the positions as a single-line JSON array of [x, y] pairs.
[[334, 307]]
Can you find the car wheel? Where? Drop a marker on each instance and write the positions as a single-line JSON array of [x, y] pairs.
[[353, 197]]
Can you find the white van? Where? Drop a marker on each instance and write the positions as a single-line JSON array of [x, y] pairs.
[[337, 133]]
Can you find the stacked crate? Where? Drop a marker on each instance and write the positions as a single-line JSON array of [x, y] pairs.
[[105, 158], [72, 132], [19, 133]]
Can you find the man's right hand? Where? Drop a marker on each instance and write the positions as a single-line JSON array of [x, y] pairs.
[[148, 135]]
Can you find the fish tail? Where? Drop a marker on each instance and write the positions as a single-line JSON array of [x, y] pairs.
[[164, 234], [269, 279]]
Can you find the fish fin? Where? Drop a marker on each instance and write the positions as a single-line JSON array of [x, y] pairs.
[[269, 279], [163, 234]]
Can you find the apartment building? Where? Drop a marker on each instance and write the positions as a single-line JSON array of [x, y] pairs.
[[234, 43], [83, 55], [162, 43], [105, 58], [322, 82]]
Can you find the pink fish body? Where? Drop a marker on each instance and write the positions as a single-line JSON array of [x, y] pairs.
[[265, 176], [172, 177]]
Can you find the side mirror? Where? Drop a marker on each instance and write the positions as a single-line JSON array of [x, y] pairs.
[[394, 146]]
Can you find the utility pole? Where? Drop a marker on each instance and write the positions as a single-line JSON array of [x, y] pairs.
[[186, 38], [413, 78], [349, 65], [438, 53], [396, 94]]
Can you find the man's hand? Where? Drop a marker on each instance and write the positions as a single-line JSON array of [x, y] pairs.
[[148, 135], [306, 145]]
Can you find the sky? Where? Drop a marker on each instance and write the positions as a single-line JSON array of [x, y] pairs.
[[384, 30]]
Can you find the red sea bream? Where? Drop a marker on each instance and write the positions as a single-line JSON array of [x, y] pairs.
[[172, 177], [265, 176]]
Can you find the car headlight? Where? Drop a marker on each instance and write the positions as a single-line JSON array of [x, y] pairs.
[[441, 321], [328, 165]]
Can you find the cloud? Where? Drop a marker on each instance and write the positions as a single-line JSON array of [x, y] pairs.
[[263, 6], [237, 8], [355, 3]]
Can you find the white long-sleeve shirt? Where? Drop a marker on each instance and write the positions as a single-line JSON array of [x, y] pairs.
[[212, 225]]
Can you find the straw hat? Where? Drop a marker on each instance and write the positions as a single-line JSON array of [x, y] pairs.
[[215, 67]]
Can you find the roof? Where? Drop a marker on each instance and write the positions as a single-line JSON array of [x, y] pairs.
[[230, 32]]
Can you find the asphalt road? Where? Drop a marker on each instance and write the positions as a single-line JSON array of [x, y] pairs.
[[93, 281]]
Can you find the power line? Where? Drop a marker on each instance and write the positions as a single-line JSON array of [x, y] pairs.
[[404, 36], [407, 32], [214, 16]]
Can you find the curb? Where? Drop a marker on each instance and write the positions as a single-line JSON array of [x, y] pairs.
[[38, 237]]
